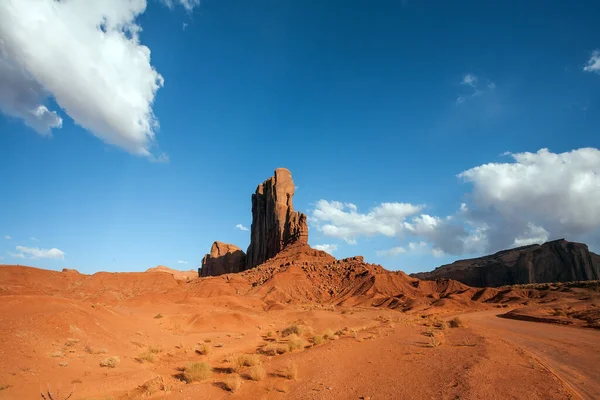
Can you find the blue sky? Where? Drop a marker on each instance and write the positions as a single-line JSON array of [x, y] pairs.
[[113, 160]]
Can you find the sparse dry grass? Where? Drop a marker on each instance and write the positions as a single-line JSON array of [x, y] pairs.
[[271, 334], [155, 349], [239, 361], [233, 382], [292, 330], [290, 371], [273, 349], [158, 316], [456, 322], [204, 349], [328, 334], [57, 354], [256, 373], [110, 362], [197, 371], [4, 386], [71, 342], [436, 340], [101, 351], [146, 356], [74, 381], [295, 342], [317, 340], [63, 363]]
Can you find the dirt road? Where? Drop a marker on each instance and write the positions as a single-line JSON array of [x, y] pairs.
[[572, 354]]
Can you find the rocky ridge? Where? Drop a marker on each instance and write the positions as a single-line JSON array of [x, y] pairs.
[[554, 261]]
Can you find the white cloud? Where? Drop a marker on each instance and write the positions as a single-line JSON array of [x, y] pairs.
[[241, 227], [343, 221], [394, 251], [593, 64], [474, 87], [534, 235], [34, 239], [87, 56], [469, 80], [34, 252], [7, 237], [16, 255], [181, 262], [536, 197], [329, 248], [559, 189], [189, 5]]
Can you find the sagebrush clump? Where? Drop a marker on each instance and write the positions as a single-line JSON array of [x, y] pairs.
[[196, 372]]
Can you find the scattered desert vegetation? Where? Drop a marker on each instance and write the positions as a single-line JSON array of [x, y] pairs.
[[70, 342], [256, 373], [57, 354], [158, 316], [273, 349], [239, 361], [110, 362], [233, 382], [456, 322], [196, 372], [328, 334], [203, 349], [295, 342], [317, 340], [290, 371], [292, 330]]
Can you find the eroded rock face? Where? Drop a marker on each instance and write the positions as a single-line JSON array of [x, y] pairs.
[[223, 259], [555, 261], [275, 224]]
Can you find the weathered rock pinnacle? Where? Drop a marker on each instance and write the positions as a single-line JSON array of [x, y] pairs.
[[275, 224]]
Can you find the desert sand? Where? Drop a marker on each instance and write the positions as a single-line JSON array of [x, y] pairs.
[[354, 340]]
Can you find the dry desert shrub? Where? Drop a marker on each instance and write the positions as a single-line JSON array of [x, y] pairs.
[[101, 351], [145, 357], [155, 385], [110, 362], [256, 373], [456, 323], [203, 349], [155, 349], [233, 382], [292, 330], [317, 340], [158, 316], [295, 342], [270, 334], [436, 340], [70, 342], [290, 371], [197, 371], [239, 361], [273, 349], [57, 354], [328, 334]]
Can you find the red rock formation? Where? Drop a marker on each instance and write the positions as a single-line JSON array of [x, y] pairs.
[[275, 224], [223, 259], [555, 261]]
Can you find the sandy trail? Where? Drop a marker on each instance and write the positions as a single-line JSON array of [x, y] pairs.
[[572, 354]]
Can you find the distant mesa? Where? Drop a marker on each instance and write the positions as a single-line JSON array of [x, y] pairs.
[[275, 225], [177, 274], [554, 261]]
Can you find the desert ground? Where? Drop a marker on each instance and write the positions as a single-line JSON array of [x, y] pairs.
[[137, 335]]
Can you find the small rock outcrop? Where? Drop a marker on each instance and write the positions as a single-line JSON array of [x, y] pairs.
[[554, 261], [275, 224], [223, 259]]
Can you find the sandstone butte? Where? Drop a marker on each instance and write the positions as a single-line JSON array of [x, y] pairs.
[[275, 225]]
